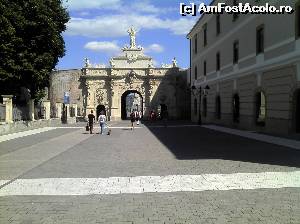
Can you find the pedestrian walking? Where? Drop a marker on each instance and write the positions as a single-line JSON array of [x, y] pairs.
[[91, 118], [136, 114], [139, 117], [132, 119], [102, 121]]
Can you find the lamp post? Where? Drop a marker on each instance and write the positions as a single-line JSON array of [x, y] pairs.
[[199, 91]]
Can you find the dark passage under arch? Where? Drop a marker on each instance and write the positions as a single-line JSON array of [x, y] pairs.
[[139, 106]]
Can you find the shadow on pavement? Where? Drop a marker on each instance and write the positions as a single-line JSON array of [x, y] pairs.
[[194, 142]]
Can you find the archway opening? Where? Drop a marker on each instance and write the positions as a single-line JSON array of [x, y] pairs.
[[131, 100], [218, 107], [260, 109], [236, 108], [204, 107], [99, 109]]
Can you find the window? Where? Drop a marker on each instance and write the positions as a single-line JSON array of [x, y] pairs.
[[235, 52], [218, 107], [260, 40], [195, 106], [196, 44], [236, 108], [235, 14], [260, 109], [205, 34], [218, 61], [196, 73], [204, 68], [218, 25]]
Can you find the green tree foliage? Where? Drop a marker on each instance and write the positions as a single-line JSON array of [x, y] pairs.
[[31, 43]]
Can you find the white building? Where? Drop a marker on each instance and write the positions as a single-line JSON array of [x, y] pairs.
[[251, 64]]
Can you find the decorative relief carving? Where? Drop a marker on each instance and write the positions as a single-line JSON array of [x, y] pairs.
[[100, 96]]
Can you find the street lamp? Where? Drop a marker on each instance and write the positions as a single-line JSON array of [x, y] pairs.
[[199, 91]]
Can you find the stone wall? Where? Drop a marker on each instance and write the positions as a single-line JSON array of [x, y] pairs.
[[27, 125], [66, 81]]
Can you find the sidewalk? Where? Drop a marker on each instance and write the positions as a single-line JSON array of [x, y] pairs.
[[256, 136]]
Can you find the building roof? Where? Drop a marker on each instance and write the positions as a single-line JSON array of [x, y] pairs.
[[202, 15]]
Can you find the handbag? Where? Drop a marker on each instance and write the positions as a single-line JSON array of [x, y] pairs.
[[87, 127]]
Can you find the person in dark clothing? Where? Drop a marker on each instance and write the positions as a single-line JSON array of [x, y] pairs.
[[132, 119], [91, 118]]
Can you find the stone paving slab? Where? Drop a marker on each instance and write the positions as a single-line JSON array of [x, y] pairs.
[[149, 184], [29, 140], [16, 163], [215, 207], [24, 133], [294, 144], [161, 152]]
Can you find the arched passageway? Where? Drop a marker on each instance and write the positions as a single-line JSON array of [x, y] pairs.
[[99, 109], [131, 100]]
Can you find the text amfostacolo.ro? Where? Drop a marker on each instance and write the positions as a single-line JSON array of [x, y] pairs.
[[241, 8]]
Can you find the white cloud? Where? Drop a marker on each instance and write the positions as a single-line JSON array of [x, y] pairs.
[[107, 47], [156, 48], [91, 4], [110, 26]]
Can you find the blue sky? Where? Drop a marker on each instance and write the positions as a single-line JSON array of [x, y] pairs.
[[98, 29]]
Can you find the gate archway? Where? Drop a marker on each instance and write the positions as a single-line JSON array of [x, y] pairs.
[[131, 100], [99, 109]]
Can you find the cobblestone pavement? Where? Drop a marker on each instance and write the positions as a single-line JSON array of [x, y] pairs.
[[70, 154]]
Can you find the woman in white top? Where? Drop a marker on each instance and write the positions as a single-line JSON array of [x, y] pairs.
[[102, 120]]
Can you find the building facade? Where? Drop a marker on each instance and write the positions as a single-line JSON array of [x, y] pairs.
[[100, 88], [251, 64]]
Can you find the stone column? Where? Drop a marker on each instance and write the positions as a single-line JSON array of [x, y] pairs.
[[31, 109], [75, 110], [46, 104], [58, 110], [7, 100]]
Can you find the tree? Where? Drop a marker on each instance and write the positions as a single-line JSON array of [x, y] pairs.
[[31, 43]]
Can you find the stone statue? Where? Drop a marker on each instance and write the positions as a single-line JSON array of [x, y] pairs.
[[174, 62], [87, 62], [112, 63], [132, 34]]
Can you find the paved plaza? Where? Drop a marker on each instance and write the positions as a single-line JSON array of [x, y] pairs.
[[182, 173]]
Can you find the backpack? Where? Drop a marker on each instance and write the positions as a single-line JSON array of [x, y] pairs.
[[101, 118]]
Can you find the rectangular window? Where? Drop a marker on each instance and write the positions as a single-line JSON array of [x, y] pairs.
[[260, 40], [204, 68], [218, 61], [218, 24], [196, 73], [235, 52], [196, 44], [205, 34], [235, 15]]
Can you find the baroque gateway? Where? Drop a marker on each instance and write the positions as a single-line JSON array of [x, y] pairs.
[[96, 87]]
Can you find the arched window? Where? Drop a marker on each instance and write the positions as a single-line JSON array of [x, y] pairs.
[[195, 106], [260, 109], [204, 107], [218, 107], [236, 108]]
